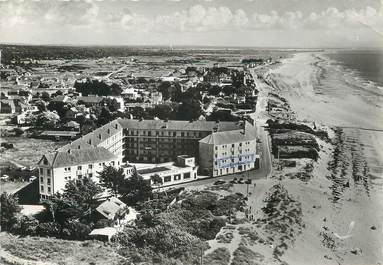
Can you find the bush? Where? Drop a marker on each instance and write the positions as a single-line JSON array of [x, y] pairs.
[[76, 230], [9, 209], [48, 229], [26, 225], [103, 223]]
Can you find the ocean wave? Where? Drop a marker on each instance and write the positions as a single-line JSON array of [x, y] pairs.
[[333, 74]]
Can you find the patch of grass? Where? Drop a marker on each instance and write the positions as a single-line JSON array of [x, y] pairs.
[[220, 256], [245, 256], [58, 250]]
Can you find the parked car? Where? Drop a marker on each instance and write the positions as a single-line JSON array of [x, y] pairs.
[[4, 177], [219, 182], [240, 181]]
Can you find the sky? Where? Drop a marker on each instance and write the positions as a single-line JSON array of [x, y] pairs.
[[250, 23]]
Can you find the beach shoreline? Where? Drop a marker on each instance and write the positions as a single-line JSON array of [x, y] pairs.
[[355, 177]]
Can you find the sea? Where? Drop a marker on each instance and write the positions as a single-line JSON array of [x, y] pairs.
[[366, 64]]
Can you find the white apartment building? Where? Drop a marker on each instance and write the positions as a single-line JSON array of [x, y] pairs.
[[222, 153], [57, 168], [82, 158]]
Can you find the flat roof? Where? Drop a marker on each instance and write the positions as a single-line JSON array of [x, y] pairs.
[[152, 170]]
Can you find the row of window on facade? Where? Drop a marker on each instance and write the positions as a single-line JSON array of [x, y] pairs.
[[48, 171], [164, 133], [239, 168], [49, 189], [232, 160], [232, 145], [48, 180], [232, 152], [177, 177], [90, 166]]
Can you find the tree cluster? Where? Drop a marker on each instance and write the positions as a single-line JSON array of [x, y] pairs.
[[131, 189], [96, 87]]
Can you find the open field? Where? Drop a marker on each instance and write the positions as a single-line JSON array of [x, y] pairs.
[[27, 151], [44, 251]]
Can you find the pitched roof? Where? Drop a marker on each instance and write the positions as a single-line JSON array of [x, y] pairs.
[[59, 133], [90, 99], [175, 125], [94, 138], [72, 124], [60, 98], [78, 157], [110, 207], [229, 137]]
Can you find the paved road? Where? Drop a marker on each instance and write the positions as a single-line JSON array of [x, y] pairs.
[[260, 116], [115, 72]]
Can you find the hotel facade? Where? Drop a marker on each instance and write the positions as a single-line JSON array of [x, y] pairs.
[[219, 148]]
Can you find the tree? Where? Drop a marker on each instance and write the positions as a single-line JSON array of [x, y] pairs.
[[87, 125], [214, 90], [163, 112], [62, 209], [60, 107], [45, 96], [105, 116], [81, 191], [135, 189], [96, 87], [228, 90], [41, 105], [9, 209], [112, 178], [190, 109], [176, 93], [165, 89], [222, 116], [111, 104], [47, 120]]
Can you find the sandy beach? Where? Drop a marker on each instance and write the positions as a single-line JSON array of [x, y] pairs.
[[319, 92]]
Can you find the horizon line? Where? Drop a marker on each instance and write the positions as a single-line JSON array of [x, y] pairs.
[[191, 46]]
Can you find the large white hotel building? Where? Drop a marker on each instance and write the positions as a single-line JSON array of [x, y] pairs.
[[220, 148]]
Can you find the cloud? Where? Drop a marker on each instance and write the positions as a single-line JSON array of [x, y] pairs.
[[201, 19], [65, 17]]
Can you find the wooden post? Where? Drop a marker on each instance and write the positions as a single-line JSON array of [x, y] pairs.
[[201, 256]]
